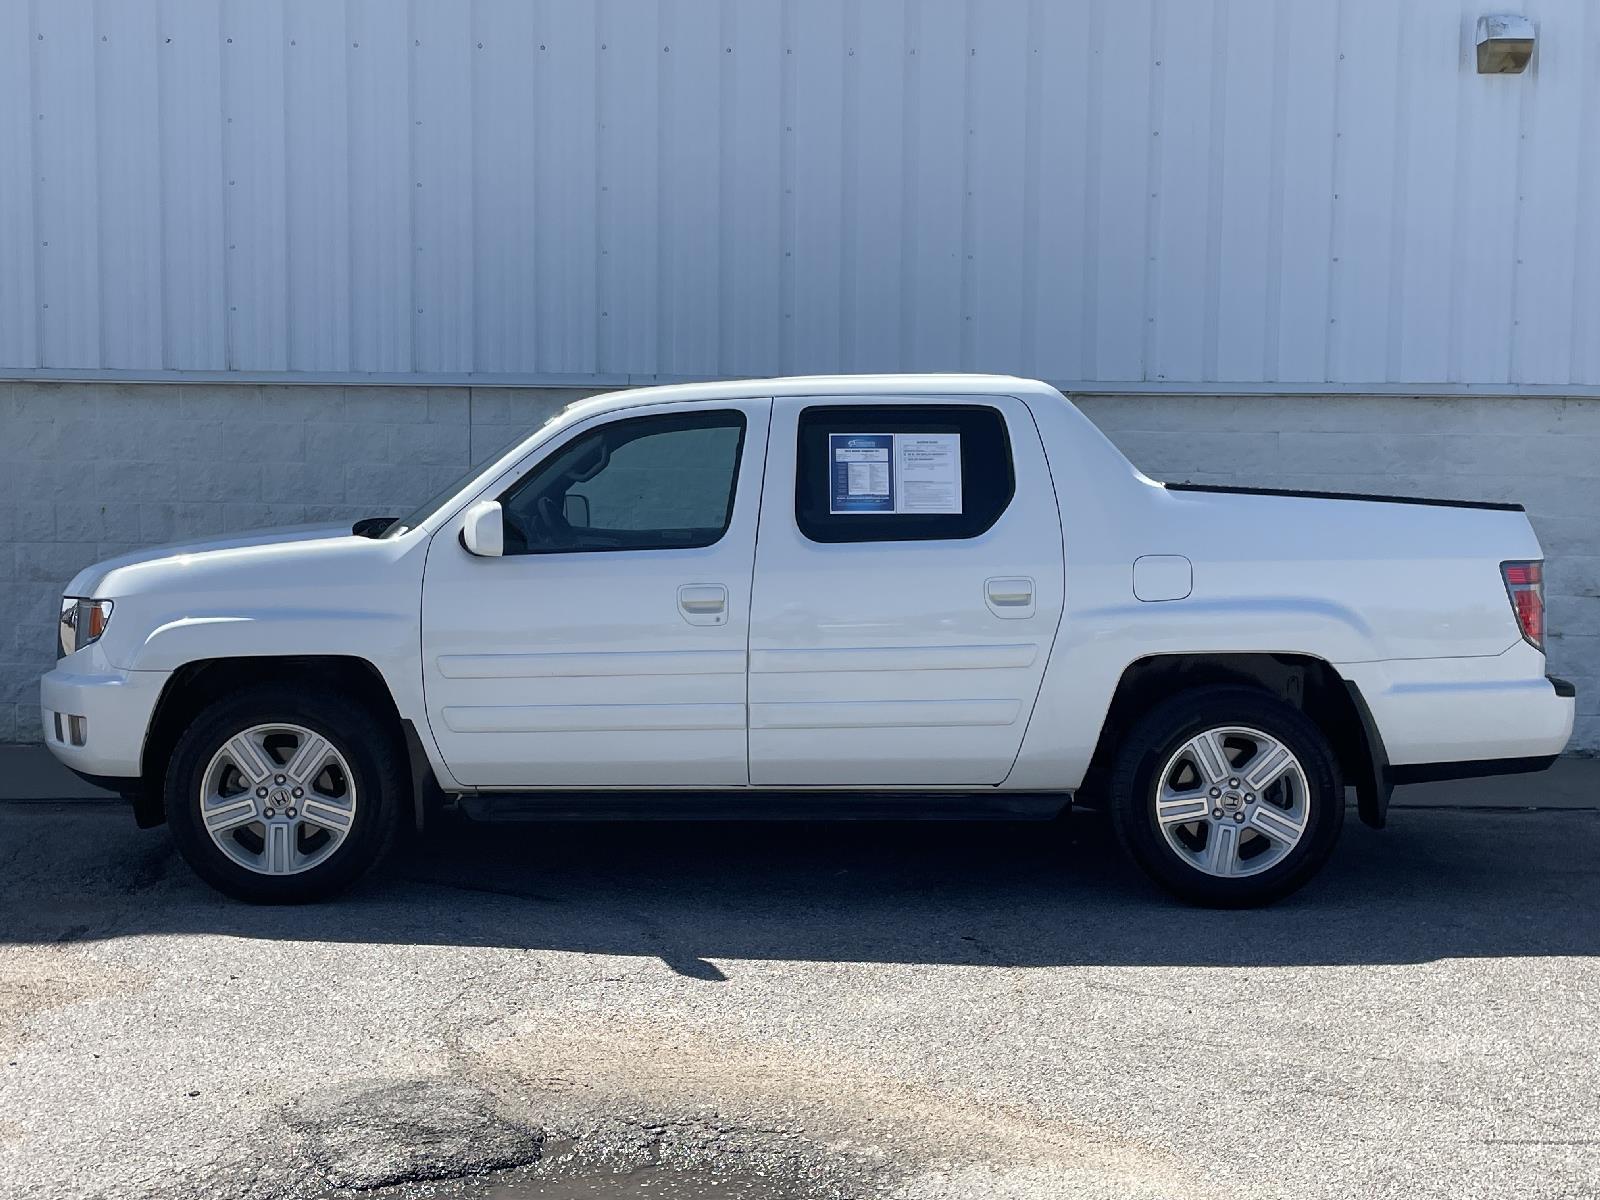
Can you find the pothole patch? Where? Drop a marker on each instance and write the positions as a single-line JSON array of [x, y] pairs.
[[408, 1133], [425, 1140], [638, 1183]]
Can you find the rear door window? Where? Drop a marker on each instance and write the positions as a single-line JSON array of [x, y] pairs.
[[900, 473]]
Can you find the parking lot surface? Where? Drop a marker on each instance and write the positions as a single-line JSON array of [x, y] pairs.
[[933, 1011]]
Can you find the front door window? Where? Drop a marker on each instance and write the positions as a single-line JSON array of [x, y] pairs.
[[645, 483]]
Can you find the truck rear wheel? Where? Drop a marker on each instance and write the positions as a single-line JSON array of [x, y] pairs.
[[1226, 796], [279, 797]]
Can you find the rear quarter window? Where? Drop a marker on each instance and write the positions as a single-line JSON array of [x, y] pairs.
[[987, 477]]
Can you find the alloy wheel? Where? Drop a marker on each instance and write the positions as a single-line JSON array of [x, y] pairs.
[[1232, 801], [278, 799]]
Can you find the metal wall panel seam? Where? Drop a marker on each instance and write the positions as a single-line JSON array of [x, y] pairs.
[[999, 169], [1585, 295], [36, 116], [1398, 200], [1125, 129], [19, 242], [910, 138], [1089, 347], [1330, 342], [1033, 88], [1551, 163], [67, 224], [1243, 212], [1153, 182], [126, 138], [350, 215], [1463, 165], [602, 182], [965, 331], [1272, 318], [1513, 295], [1177, 251], [1369, 74], [849, 172], [286, 183], [1212, 298], [413, 342], [666, 206], [786, 177]]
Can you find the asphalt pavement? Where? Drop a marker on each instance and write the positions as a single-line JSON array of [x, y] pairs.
[[934, 1011]]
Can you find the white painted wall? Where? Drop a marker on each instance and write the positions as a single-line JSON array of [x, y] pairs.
[[1184, 193]]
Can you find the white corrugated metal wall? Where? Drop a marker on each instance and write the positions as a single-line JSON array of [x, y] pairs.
[[1166, 192]]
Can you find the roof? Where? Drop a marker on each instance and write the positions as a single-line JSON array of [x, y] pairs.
[[817, 385]]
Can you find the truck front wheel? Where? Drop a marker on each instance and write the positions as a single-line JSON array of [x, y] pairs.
[[276, 796], [1227, 796]]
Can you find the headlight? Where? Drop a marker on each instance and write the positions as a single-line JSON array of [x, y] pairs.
[[82, 623]]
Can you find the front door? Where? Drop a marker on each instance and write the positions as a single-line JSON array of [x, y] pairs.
[[608, 645], [909, 582]]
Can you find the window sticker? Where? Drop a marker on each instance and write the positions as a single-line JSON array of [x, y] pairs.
[[894, 473], [927, 470], [863, 472]]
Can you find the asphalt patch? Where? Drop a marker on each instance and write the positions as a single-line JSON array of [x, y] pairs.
[[444, 1140], [408, 1132], [641, 1183]]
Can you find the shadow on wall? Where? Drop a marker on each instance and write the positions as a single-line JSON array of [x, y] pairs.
[[1436, 884]]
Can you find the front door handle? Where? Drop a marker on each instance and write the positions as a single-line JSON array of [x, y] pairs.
[[703, 603], [1010, 596]]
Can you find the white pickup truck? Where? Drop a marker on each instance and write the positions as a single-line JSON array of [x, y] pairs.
[[853, 596]]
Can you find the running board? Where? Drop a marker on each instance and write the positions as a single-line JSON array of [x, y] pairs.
[[763, 806]]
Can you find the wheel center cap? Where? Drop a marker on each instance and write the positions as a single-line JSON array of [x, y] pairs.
[[1232, 801], [280, 797]]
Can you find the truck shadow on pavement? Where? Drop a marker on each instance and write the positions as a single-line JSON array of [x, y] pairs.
[[1437, 884]]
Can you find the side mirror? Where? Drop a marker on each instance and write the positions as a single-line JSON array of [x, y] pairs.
[[484, 530], [576, 510]]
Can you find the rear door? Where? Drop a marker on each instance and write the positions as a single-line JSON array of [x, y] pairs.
[[607, 647], [908, 585]]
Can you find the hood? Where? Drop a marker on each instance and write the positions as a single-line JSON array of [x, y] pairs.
[[88, 581]]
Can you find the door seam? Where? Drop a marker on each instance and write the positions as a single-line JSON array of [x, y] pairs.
[[750, 599], [1055, 636]]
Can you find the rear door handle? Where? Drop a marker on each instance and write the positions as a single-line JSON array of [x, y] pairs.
[[703, 603], [1009, 596]]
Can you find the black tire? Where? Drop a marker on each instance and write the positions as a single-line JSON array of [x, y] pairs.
[[367, 745], [1153, 741]]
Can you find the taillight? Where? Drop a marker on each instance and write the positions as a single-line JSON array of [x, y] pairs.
[[1525, 586]]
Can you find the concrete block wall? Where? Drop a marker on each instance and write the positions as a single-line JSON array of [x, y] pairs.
[[88, 470]]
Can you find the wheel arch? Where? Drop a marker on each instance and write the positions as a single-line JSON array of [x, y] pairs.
[[197, 684], [1309, 683]]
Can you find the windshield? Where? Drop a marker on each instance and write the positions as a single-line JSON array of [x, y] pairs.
[[434, 503]]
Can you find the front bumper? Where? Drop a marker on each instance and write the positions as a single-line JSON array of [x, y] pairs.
[[95, 717]]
